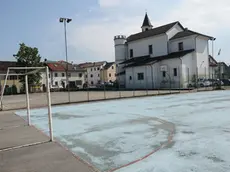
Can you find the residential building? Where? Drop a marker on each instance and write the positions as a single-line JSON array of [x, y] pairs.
[[213, 68], [167, 56], [93, 72], [57, 75], [223, 70], [108, 72], [12, 79]]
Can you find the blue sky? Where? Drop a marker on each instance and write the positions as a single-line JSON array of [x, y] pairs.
[[95, 22]]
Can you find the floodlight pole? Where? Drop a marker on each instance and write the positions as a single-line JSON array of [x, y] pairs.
[[27, 99], [66, 20], [49, 104]]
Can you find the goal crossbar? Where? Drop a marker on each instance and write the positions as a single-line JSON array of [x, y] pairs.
[[35, 70]]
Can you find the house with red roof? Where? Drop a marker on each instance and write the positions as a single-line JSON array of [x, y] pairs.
[[58, 73]]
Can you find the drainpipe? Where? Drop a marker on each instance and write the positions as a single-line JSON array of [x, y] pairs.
[[151, 74], [196, 61], [213, 39]]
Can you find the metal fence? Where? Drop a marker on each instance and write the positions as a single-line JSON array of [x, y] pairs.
[[143, 81]]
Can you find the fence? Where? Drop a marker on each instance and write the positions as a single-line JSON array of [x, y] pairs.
[[141, 81]]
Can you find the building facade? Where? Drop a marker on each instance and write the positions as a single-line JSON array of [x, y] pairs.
[[213, 68], [12, 79], [57, 75], [108, 72], [93, 72], [161, 57], [223, 70]]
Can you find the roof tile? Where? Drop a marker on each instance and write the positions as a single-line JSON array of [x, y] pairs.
[[147, 61], [151, 32], [186, 33]]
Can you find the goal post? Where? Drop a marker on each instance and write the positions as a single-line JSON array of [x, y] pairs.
[[31, 70]]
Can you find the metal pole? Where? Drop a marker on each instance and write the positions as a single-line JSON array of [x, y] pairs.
[[159, 82], [133, 82], [3, 89], [152, 75], [27, 99], [212, 55], [49, 104], [104, 83], [213, 48], [87, 86], [197, 86], [188, 78], [119, 80], [66, 53], [205, 75], [146, 80], [179, 78]]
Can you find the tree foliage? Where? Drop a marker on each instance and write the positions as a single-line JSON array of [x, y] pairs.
[[29, 57]]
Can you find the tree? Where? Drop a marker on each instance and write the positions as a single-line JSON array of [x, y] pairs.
[[29, 57]]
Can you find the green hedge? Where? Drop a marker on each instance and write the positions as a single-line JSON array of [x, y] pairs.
[[10, 90]]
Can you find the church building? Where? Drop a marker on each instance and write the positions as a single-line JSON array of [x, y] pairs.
[[167, 56]]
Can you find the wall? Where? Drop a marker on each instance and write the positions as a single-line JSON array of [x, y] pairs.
[[120, 56], [141, 47], [58, 79], [132, 81], [213, 72], [120, 52], [189, 69], [74, 76], [173, 31], [202, 56], [169, 81], [153, 77], [109, 74], [95, 72], [10, 83], [188, 42]]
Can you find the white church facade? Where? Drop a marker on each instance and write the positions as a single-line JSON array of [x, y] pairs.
[[161, 57]]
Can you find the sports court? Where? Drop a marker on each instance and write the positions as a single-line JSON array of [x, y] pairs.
[[186, 132]]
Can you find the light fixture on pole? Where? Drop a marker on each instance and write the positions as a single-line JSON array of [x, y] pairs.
[[66, 20]]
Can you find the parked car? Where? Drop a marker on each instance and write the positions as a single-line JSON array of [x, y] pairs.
[[202, 82], [54, 88], [216, 82], [106, 84], [226, 82]]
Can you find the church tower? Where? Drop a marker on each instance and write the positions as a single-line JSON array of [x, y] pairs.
[[146, 24], [120, 56]]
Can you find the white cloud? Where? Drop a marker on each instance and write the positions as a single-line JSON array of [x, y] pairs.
[[204, 15], [96, 35]]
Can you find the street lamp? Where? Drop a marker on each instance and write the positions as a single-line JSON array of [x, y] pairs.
[[66, 20]]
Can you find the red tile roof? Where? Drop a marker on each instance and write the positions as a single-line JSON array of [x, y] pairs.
[[56, 66], [91, 64]]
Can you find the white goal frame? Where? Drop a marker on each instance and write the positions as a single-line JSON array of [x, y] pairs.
[[35, 70]]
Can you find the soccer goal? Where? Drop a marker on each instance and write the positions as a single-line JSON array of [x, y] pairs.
[[25, 72]]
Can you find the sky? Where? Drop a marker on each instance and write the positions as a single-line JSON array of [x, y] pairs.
[[96, 22]]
